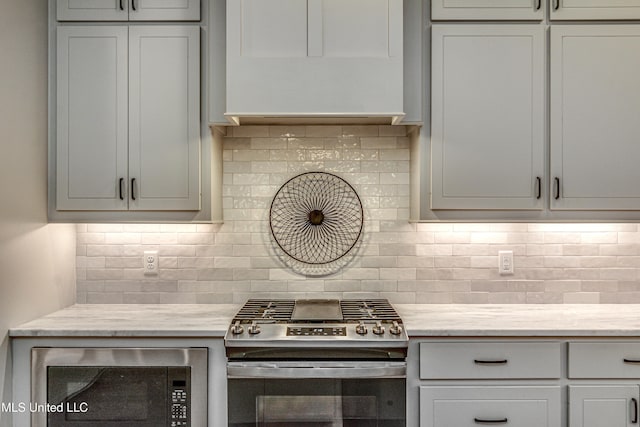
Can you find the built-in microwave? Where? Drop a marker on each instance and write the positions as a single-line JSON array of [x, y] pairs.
[[113, 387]]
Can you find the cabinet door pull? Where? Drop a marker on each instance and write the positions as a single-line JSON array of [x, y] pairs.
[[634, 406], [491, 421], [631, 361], [556, 4], [133, 5], [538, 4], [490, 362], [121, 5], [557, 188], [120, 188], [133, 188], [538, 187]]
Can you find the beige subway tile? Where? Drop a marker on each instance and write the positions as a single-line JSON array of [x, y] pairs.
[[489, 237], [581, 298], [195, 238], [360, 130], [452, 262], [397, 273], [249, 131], [104, 228], [141, 228], [166, 238], [434, 298], [457, 237], [323, 131], [395, 130]]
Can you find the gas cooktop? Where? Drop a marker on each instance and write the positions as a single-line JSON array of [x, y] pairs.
[[327, 325]]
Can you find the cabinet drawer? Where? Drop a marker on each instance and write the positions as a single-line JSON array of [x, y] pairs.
[[472, 406], [489, 360], [604, 360]]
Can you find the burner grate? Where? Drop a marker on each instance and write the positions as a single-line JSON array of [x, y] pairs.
[[372, 309], [256, 309]]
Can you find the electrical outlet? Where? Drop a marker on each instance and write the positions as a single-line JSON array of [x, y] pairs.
[[150, 262], [505, 262]]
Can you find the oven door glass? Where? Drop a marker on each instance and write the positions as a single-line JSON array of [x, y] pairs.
[[370, 402], [115, 396]]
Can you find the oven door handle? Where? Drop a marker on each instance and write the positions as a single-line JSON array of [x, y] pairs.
[[316, 369]]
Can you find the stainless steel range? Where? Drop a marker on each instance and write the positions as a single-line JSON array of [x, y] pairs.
[[316, 362]]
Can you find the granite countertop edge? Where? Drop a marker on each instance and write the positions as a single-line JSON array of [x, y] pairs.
[[421, 320]]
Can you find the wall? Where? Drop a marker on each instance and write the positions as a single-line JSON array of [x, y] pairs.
[[405, 262], [36, 259]]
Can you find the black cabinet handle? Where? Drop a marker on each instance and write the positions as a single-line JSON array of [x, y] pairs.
[[556, 4], [538, 187], [538, 4], [557, 188], [491, 421], [133, 5], [120, 188], [634, 418], [133, 188], [121, 5], [632, 361], [490, 362]]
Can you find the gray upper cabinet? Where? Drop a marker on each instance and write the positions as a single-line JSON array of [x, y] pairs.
[[314, 58], [128, 118], [487, 9], [594, 9], [487, 100], [128, 10], [595, 106]]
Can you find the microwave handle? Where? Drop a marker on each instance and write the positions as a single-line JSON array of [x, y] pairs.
[[315, 370]]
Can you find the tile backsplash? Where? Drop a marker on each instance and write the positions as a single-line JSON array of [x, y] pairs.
[[405, 262]]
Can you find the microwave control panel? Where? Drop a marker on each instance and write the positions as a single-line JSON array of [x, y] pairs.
[[179, 397]]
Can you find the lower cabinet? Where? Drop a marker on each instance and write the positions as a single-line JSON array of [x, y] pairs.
[[522, 382], [603, 405], [526, 406]]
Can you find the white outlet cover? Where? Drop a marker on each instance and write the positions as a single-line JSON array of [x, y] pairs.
[[150, 263], [505, 262]]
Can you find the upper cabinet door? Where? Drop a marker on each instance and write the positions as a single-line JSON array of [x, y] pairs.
[[125, 10], [164, 117], [595, 106], [487, 9], [315, 57], [487, 115], [164, 10], [91, 118], [93, 10], [594, 9]]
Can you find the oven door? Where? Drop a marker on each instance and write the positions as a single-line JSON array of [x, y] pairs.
[[111, 387], [317, 394]]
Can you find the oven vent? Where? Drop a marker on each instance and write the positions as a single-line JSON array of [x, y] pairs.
[[257, 309], [378, 309]]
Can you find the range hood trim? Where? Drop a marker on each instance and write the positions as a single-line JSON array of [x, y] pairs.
[[391, 118]]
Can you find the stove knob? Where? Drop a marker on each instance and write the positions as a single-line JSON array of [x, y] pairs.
[[378, 329], [254, 328], [361, 329], [395, 329], [237, 328]]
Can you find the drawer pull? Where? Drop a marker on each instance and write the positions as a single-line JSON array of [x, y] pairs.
[[490, 362], [491, 421], [634, 402], [632, 361]]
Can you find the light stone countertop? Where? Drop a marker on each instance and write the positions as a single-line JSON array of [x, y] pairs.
[[521, 320], [132, 320], [421, 320]]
